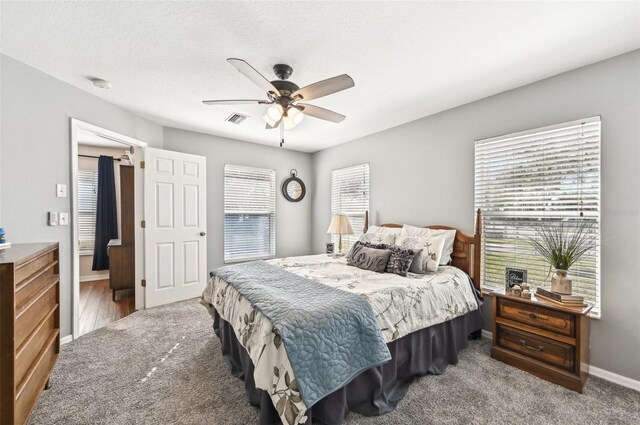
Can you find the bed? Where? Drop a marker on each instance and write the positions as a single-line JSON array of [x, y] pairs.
[[421, 322]]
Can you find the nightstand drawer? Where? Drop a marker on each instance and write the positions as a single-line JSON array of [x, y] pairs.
[[549, 351], [539, 317]]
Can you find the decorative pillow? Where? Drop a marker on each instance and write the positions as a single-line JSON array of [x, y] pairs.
[[400, 260], [449, 238], [429, 258], [368, 245], [369, 258], [378, 238]]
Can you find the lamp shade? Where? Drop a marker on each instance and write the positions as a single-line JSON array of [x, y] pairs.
[[340, 225]]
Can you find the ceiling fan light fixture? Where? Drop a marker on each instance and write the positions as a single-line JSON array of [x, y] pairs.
[[295, 115], [288, 122], [267, 118], [275, 112]]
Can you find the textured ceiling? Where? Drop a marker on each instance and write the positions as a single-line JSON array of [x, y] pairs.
[[408, 59]]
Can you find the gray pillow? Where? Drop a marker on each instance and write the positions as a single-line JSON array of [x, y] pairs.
[[400, 260], [369, 258], [368, 245]]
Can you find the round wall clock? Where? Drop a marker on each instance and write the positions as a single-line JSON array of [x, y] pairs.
[[293, 188]]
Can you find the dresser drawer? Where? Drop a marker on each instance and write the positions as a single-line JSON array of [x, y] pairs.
[[34, 311], [29, 390], [33, 266], [549, 351], [33, 345], [34, 284], [539, 317]]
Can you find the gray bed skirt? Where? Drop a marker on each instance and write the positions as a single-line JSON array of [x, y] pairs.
[[375, 391]]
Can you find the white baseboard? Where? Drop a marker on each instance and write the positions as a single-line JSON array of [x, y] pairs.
[[91, 278], [66, 339], [615, 378], [596, 371]]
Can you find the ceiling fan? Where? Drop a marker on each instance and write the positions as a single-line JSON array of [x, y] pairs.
[[286, 110]]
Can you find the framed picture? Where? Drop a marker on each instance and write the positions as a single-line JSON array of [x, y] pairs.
[[514, 277], [331, 247]]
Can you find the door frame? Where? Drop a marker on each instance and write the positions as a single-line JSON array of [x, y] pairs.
[[77, 126]]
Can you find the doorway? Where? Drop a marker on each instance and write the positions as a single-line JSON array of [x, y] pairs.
[[107, 267]]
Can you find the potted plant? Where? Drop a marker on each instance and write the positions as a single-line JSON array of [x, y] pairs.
[[562, 244]]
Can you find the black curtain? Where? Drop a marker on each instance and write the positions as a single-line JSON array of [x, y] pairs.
[[106, 213]]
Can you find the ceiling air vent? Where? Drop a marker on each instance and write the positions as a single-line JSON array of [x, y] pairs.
[[236, 118]]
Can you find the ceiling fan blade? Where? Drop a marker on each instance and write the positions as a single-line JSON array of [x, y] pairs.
[[321, 113], [236, 102], [324, 88], [251, 73]]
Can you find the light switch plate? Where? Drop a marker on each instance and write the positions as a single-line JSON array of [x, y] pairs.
[[63, 219], [61, 190]]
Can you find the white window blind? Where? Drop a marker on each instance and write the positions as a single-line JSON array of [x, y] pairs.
[[87, 200], [249, 213], [350, 196], [550, 174]]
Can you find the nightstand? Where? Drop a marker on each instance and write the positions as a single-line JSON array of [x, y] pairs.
[[548, 340]]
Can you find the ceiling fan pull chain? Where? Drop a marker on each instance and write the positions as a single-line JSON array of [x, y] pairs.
[[281, 133]]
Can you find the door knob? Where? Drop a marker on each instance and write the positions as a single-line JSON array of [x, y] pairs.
[[202, 233]]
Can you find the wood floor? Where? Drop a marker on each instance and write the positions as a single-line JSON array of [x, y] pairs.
[[96, 307]]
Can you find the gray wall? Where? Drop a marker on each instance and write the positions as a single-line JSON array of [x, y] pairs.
[[293, 219], [36, 154], [422, 173]]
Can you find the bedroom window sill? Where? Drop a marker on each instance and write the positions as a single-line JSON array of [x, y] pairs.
[[244, 260]]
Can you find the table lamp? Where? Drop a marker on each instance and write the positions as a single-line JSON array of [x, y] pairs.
[[340, 225]]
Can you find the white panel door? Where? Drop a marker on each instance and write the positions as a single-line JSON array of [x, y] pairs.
[[176, 222]]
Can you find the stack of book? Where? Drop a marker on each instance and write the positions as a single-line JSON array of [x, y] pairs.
[[561, 299]]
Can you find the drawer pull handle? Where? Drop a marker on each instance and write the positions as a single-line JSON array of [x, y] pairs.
[[524, 344], [533, 316]]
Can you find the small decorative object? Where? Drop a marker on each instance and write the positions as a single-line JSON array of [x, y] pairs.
[[561, 283], [526, 294], [516, 290], [293, 188], [3, 242], [515, 276], [331, 247], [340, 225], [562, 244], [524, 286]]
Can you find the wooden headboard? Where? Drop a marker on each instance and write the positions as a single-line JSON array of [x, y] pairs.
[[466, 249]]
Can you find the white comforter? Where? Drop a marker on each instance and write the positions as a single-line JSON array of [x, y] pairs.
[[402, 305]]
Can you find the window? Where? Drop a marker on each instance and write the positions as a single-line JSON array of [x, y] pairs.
[[87, 200], [550, 174], [249, 213], [350, 196]]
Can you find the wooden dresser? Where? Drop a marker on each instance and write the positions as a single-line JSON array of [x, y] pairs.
[[122, 266], [548, 340], [29, 326]]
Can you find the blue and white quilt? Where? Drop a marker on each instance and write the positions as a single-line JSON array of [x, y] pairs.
[[399, 306]]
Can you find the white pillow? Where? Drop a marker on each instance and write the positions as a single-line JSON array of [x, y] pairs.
[[378, 238], [387, 230], [449, 238], [429, 258]]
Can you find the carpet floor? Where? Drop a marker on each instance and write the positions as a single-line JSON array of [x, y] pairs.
[[164, 366]]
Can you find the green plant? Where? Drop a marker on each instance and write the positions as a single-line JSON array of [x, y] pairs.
[[563, 243]]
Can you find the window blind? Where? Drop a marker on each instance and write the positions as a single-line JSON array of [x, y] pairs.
[[350, 196], [550, 174], [87, 200], [249, 213]]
